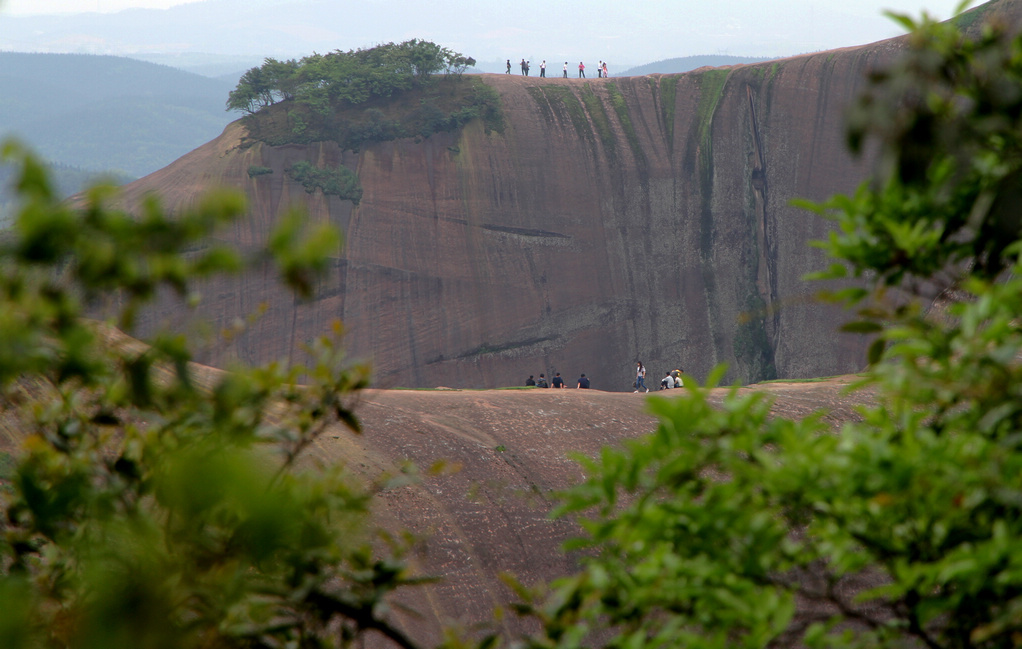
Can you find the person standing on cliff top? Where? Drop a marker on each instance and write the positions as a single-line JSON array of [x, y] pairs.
[[581, 70], [599, 69], [604, 69], [508, 67], [565, 69], [583, 382], [542, 69], [523, 67]]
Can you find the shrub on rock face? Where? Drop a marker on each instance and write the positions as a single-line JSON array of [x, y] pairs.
[[255, 170], [332, 181], [728, 527]]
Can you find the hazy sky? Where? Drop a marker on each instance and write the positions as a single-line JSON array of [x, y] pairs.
[[29, 7], [614, 30], [941, 8]]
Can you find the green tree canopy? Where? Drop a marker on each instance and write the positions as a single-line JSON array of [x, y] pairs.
[[325, 81]]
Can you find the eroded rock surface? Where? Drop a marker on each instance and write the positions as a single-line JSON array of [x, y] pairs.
[[505, 454]]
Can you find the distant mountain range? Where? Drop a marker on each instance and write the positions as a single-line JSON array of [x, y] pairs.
[[108, 116], [688, 63], [107, 113]]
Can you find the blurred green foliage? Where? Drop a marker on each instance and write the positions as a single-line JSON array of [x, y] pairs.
[[730, 527], [147, 508]]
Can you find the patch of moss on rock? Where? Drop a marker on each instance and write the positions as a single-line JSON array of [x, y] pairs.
[[598, 115], [563, 103], [617, 101], [668, 96]]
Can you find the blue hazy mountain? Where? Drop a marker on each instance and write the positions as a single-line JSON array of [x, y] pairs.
[[687, 63], [108, 113]]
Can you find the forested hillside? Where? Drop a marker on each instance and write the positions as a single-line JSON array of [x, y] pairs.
[[107, 113]]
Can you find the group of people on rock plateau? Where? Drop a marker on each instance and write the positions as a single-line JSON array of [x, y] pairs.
[[601, 69], [556, 382], [672, 379]]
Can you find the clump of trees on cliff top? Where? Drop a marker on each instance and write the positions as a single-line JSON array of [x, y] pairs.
[[326, 81], [369, 95]]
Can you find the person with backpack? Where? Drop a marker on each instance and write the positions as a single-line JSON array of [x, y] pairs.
[[541, 383], [583, 383]]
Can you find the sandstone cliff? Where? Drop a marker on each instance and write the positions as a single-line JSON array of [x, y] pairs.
[[612, 220]]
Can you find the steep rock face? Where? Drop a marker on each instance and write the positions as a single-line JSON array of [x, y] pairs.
[[613, 220]]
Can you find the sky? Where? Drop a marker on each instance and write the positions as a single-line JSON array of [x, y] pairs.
[[941, 8], [613, 30], [34, 7]]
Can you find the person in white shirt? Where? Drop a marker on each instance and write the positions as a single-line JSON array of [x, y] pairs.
[[667, 382]]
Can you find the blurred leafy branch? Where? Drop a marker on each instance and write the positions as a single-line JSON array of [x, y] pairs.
[[729, 527], [148, 509]]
